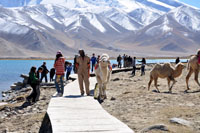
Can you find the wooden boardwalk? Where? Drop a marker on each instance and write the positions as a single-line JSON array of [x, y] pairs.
[[82, 114]]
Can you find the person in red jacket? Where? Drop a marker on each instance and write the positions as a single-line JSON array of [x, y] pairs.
[[59, 66]]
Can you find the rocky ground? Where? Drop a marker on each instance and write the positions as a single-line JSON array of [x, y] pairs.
[[131, 102], [20, 117]]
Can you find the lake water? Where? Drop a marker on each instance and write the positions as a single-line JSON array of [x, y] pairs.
[[10, 70]]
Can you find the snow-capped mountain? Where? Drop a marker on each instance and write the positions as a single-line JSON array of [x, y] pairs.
[[176, 31], [40, 27]]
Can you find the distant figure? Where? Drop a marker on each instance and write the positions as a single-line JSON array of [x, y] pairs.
[[40, 69], [177, 60], [134, 65], [59, 66], [143, 61], [52, 73], [44, 72], [74, 66], [83, 67], [119, 60], [98, 58], [93, 60], [34, 81], [68, 70]]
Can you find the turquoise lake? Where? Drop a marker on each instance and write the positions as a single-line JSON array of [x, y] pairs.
[[10, 70]]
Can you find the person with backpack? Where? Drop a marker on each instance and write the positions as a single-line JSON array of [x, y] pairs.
[[33, 81], [44, 72], [59, 66]]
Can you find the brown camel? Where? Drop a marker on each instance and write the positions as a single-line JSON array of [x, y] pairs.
[[165, 71], [193, 66]]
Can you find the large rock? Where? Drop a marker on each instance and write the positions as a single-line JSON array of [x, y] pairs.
[[25, 76], [181, 121], [15, 87], [155, 127]]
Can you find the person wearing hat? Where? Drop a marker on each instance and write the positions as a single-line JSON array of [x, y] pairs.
[[59, 66], [83, 68]]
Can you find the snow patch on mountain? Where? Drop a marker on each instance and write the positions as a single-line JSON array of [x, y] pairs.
[[160, 29], [187, 16]]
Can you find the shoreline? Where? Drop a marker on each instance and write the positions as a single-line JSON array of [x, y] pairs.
[[112, 58], [16, 115]]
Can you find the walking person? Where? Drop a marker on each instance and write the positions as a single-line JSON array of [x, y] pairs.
[[59, 66], [93, 60], [83, 67], [119, 60], [134, 65], [68, 69], [143, 66], [44, 72], [40, 69], [33, 83]]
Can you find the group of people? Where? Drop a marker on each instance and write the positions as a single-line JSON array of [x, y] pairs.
[[81, 67], [128, 61]]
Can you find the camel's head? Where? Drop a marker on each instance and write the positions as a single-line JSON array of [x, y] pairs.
[[180, 66], [104, 60]]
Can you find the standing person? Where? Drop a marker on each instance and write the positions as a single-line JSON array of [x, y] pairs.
[[177, 60], [40, 69], [59, 66], [83, 67], [119, 60], [68, 69], [74, 66], [143, 61], [44, 72], [93, 60], [33, 83], [134, 65], [98, 58], [52, 73]]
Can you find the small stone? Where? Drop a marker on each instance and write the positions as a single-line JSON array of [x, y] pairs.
[[180, 121], [155, 127], [112, 99]]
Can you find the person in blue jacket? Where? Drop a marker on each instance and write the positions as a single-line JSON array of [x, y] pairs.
[[68, 69], [93, 60]]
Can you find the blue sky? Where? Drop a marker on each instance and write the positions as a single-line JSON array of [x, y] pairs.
[[195, 3]]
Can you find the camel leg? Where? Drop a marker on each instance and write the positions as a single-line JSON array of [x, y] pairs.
[[155, 83], [150, 81], [168, 82], [170, 89], [188, 77], [196, 73]]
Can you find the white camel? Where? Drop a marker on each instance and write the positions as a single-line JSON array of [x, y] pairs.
[[103, 72]]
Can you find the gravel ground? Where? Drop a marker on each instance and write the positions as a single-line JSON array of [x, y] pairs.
[[131, 102]]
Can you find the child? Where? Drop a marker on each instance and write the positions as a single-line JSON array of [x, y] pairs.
[[68, 69]]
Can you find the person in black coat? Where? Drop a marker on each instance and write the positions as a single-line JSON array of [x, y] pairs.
[[44, 72]]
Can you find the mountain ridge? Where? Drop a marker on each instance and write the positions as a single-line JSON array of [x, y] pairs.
[[101, 26]]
